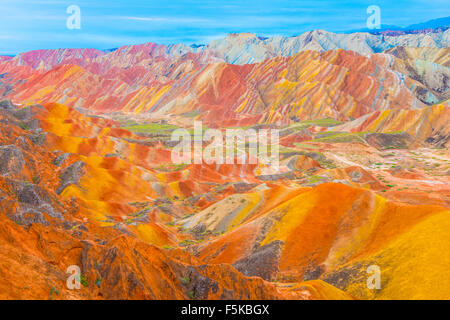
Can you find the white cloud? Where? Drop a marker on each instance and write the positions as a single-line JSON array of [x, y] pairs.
[[171, 19], [143, 18]]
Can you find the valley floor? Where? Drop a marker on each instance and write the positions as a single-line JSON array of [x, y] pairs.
[[102, 194]]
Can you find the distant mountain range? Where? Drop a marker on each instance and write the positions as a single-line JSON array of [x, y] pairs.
[[439, 23], [236, 79], [245, 48]]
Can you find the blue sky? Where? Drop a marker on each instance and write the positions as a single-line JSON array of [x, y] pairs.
[[41, 24]]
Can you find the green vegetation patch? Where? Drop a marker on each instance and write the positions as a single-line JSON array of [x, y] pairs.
[[340, 137], [84, 280], [151, 128], [185, 280]]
